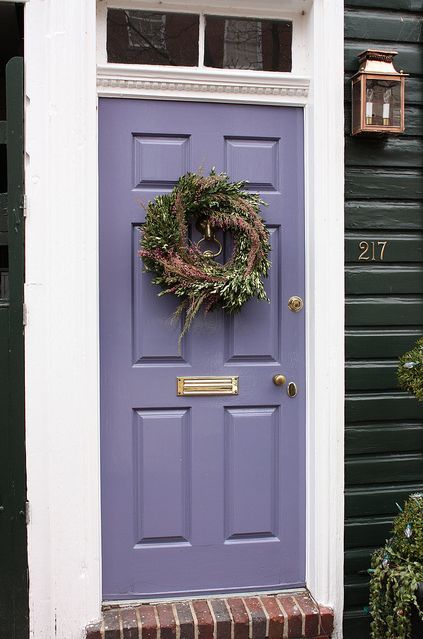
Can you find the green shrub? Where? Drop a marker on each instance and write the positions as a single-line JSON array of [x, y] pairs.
[[410, 370], [396, 571]]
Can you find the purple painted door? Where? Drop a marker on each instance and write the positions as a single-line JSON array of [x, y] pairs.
[[199, 494]]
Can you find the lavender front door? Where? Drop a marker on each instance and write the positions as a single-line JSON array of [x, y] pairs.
[[200, 494]]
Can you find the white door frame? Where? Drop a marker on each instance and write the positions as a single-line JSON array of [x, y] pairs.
[[61, 291]]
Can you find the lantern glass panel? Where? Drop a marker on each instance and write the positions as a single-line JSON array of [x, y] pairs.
[[383, 102], [356, 104]]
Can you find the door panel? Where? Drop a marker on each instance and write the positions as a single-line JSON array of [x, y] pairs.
[[199, 494]]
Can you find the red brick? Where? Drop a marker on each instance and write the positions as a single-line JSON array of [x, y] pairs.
[[129, 623], [311, 614], [276, 618], [148, 621], [167, 621], [223, 619], [294, 615], [95, 631], [204, 618], [295, 619], [326, 620], [186, 622], [240, 617], [112, 624], [258, 617]]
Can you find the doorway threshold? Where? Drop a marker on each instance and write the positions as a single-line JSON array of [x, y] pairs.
[[274, 616]]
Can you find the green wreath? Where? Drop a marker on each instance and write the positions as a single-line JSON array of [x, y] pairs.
[[180, 266]]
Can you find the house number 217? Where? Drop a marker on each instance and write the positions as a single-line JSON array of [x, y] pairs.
[[372, 251]]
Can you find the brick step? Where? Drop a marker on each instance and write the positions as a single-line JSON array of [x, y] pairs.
[[294, 615]]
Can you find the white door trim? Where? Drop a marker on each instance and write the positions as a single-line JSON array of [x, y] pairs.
[[62, 380]]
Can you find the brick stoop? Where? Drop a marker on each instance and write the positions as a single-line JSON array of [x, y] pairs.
[[279, 616]]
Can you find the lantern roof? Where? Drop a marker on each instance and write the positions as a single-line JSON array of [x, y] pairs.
[[378, 61]]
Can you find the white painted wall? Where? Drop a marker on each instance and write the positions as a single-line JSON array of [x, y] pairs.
[[62, 393]]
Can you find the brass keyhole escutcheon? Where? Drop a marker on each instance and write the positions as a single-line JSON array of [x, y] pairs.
[[279, 380], [292, 389], [295, 303]]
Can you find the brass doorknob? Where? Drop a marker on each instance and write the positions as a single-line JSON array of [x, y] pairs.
[[295, 304], [279, 380]]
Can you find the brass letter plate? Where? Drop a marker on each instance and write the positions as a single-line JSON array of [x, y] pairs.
[[207, 385]]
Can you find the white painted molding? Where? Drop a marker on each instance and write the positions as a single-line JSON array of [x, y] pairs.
[[61, 336], [135, 82], [247, 7], [325, 317]]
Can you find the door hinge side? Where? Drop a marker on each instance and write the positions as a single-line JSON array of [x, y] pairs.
[[24, 205]]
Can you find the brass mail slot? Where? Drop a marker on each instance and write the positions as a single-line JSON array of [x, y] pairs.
[[207, 385]]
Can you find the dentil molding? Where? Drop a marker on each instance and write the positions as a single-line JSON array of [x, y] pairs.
[[135, 82]]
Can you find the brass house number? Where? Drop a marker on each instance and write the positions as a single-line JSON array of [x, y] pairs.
[[373, 251]]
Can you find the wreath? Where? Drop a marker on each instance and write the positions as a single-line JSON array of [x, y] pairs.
[[182, 268]]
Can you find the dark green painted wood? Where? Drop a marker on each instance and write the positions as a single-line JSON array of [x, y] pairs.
[[367, 531], [384, 307], [400, 247], [413, 91], [3, 132], [384, 151], [385, 437], [384, 311], [3, 213], [409, 56], [389, 280], [413, 120], [6, 499], [379, 184], [373, 375], [363, 407], [13, 558], [377, 343], [399, 5], [371, 214], [377, 500], [371, 24], [356, 624], [357, 560], [375, 470], [356, 590]]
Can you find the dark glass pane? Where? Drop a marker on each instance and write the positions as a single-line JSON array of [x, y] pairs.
[[244, 43], [383, 102], [147, 37]]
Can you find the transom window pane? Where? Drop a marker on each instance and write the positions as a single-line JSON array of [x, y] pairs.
[[162, 38], [244, 43], [147, 37]]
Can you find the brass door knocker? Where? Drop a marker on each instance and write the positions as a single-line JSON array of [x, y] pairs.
[[209, 236]]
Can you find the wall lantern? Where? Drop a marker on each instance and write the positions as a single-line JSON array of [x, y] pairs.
[[377, 94]]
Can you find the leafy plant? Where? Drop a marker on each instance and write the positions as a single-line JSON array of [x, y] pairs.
[[396, 571], [410, 370]]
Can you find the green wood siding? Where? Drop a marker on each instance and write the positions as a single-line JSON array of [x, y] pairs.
[[384, 304], [13, 557]]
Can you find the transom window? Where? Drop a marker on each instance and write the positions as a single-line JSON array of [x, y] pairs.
[[159, 38]]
